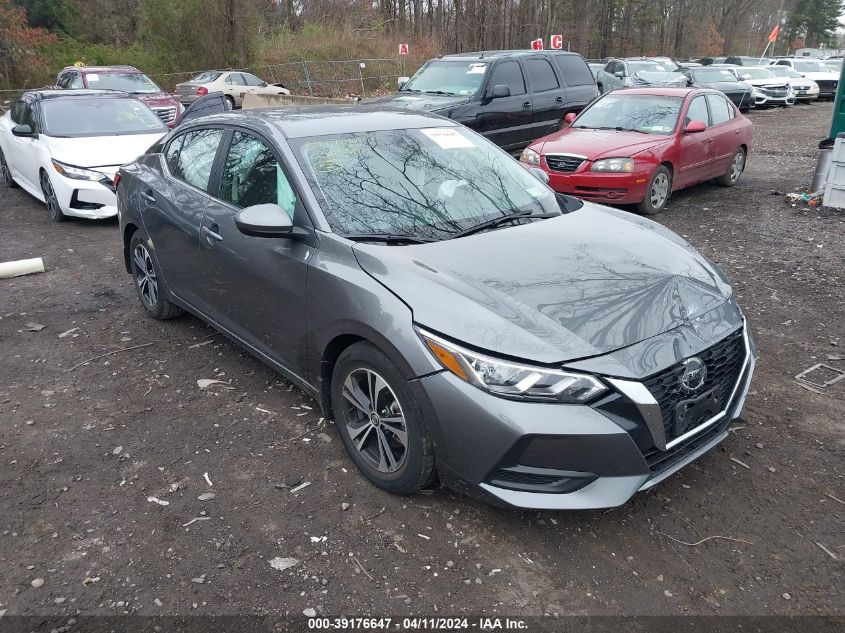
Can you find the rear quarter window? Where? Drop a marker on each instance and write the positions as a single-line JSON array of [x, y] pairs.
[[574, 70]]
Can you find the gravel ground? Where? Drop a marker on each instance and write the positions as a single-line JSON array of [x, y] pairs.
[[84, 448]]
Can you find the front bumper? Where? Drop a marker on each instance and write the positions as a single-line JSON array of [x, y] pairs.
[[762, 100], [84, 198], [604, 188], [562, 457], [806, 95]]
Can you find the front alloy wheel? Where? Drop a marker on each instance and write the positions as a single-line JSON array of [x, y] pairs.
[[54, 211], [374, 420], [145, 276], [658, 191]]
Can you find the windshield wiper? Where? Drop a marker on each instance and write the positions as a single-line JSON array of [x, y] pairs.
[[439, 92], [410, 90], [388, 238], [489, 224]]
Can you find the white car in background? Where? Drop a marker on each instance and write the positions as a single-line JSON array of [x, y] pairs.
[[769, 90], [816, 70], [805, 89], [233, 84], [64, 147]]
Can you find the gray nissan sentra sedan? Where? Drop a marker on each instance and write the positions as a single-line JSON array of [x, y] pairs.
[[454, 316]]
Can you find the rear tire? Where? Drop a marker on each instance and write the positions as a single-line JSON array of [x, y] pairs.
[[657, 193], [380, 421], [148, 281], [54, 211], [231, 101], [6, 173], [735, 169]]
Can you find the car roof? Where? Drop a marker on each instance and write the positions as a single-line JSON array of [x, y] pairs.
[[475, 55], [101, 69], [49, 93], [302, 121]]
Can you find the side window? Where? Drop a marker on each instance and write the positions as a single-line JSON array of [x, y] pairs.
[[28, 116], [235, 79], [252, 175], [17, 111], [171, 154], [62, 81], [509, 74], [252, 80], [74, 81], [783, 63], [196, 157], [574, 70], [698, 111], [719, 108], [541, 75]]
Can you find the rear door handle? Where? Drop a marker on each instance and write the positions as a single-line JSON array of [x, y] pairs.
[[147, 195], [526, 105], [211, 233], [559, 100]]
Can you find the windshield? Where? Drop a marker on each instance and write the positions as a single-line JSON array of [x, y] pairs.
[[98, 117], [754, 73], [643, 113], [805, 66], [783, 71], [713, 75], [459, 78], [648, 66], [133, 83], [206, 77], [428, 183], [835, 65]]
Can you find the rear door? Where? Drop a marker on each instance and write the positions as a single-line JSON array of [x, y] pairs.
[[255, 286], [236, 86], [580, 84], [726, 131], [507, 121], [172, 208], [547, 95]]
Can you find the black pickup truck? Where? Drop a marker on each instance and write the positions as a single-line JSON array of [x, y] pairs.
[[511, 97]]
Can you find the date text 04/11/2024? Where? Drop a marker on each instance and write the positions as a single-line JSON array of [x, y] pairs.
[[416, 624]]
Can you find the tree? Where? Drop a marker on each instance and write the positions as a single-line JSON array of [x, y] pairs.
[[816, 21], [21, 59]]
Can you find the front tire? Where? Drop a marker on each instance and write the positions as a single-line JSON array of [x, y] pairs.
[[6, 173], [148, 283], [380, 421], [657, 192], [54, 211], [735, 169]]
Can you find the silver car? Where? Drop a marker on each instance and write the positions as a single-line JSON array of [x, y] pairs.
[[234, 84], [454, 316]]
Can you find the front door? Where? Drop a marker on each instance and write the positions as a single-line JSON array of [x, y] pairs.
[[255, 286], [507, 121], [698, 148]]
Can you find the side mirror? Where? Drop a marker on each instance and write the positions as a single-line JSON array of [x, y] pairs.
[[539, 174], [694, 127], [500, 90], [402, 81], [264, 220], [570, 117], [23, 130], [619, 73]]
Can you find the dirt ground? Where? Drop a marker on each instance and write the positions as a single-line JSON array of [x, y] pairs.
[[83, 448]]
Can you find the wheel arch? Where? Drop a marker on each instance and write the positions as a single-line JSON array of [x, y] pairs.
[[128, 231]]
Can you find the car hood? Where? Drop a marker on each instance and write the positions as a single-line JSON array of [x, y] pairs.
[[100, 151], [423, 102], [157, 100], [766, 83], [724, 86], [552, 291], [822, 76], [596, 144]]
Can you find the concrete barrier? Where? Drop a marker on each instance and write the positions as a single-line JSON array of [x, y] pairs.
[[257, 102]]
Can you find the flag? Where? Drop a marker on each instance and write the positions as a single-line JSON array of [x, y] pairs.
[[773, 36]]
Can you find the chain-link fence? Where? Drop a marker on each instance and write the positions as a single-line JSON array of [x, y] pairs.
[[316, 78], [364, 77]]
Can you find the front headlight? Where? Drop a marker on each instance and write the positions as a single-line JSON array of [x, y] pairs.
[[512, 380], [77, 173], [615, 165], [530, 156]]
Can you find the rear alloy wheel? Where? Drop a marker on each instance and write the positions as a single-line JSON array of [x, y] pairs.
[[657, 193], [380, 421], [735, 169], [145, 273], [54, 211], [230, 100], [6, 173]]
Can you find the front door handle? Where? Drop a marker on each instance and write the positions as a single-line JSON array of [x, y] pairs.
[[526, 105], [148, 196], [211, 233], [559, 100]]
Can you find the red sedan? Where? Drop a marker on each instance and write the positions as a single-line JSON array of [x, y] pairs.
[[638, 145]]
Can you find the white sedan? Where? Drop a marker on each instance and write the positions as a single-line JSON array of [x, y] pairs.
[[64, 147], [234, 84]]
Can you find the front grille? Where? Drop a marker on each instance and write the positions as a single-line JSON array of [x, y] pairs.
[[659, 461], [564, 163], [167, 115], [827, 85], [724, 363], [777, 92]]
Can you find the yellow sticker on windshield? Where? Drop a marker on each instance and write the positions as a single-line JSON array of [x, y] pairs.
[[448, 138]]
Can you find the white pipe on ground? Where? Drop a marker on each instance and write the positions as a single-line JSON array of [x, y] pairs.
[[21, 267]]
